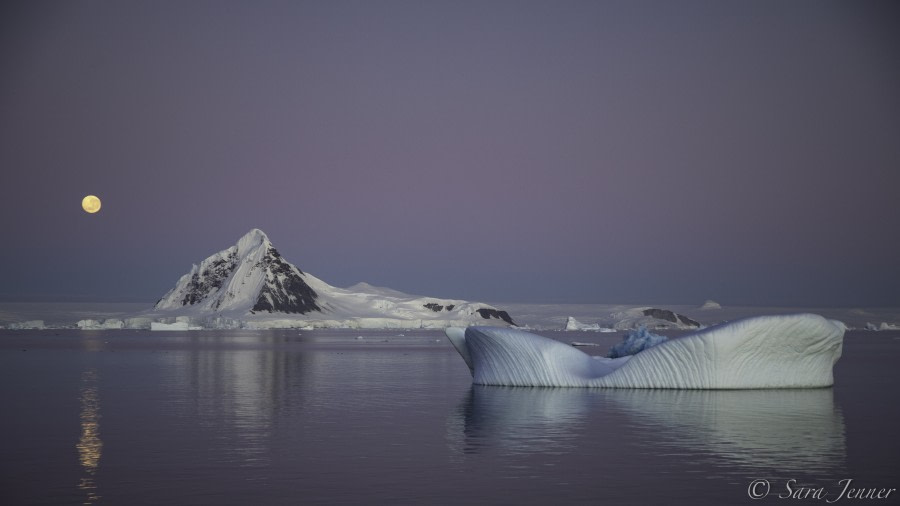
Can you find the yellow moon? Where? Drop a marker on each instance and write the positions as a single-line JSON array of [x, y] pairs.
[[90, 204]]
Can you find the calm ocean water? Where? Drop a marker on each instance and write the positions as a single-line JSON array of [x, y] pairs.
[[338, 417]]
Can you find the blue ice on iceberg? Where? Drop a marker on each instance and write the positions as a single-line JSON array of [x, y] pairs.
[[636, 341], [785, 351]]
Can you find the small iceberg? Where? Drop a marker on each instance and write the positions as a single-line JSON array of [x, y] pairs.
[[573, 324], [786, 351], [710, 304]]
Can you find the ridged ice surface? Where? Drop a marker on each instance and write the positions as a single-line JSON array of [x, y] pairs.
[[787, 351]]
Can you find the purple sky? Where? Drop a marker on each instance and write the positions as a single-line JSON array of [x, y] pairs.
[[644, 152]]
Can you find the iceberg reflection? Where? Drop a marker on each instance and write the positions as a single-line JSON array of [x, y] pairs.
[[520, 420], [796, 430]]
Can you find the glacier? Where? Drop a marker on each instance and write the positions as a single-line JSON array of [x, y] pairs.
[[783, 351]]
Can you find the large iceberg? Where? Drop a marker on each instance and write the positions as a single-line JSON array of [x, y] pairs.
[[786, 351]]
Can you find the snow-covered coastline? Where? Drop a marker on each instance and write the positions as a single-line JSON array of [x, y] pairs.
[[539, 317], [251, 286], [554, 317]]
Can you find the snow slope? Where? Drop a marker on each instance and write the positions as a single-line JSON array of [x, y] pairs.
[[251, 283], [788, 351]]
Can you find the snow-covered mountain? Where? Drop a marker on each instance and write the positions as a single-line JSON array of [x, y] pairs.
[[249, 276], [251, 281]]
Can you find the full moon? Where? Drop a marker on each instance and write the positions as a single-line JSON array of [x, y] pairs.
[[90, 204]]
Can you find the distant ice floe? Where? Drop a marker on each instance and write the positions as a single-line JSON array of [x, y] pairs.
[[883, 326], [785, 351], [27, 325]]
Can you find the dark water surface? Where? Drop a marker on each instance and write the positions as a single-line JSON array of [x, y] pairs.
[[288, 417]]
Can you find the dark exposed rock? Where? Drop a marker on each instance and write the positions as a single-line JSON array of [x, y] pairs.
[[687, 321], [662, 314], [488, 313], [665, 314], [285, 291], [450, 307], [434, 307], [210, 280]]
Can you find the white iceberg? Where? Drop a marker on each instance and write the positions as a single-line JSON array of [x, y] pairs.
[[573, 324], [787, 351], [109, 323], [88, 324], [710, 304]]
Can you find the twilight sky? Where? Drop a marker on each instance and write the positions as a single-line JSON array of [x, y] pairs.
[[527, 151]]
